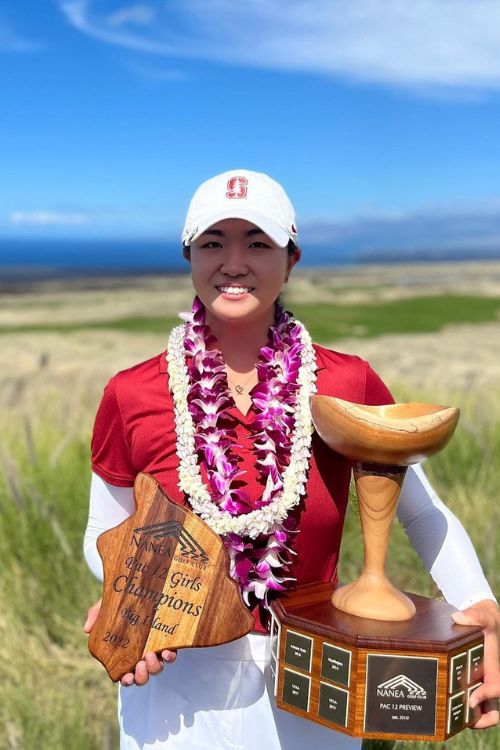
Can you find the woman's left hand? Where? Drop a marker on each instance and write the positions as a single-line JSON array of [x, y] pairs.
[[151, 664], [486, 615]]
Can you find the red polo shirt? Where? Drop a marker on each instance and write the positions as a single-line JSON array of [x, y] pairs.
[[134, 431]]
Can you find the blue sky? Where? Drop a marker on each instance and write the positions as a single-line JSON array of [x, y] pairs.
[[380, 117]]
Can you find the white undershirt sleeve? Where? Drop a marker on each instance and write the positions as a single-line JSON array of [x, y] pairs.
[[441, 542], [109, 506]]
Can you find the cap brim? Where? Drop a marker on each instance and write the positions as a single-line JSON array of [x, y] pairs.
[[276, 233]]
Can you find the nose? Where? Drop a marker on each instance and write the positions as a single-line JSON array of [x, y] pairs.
[[234, 261]]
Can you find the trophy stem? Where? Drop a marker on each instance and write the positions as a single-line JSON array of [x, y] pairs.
[[372, 595]]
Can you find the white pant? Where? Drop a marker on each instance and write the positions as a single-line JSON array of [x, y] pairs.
[[218, 698]]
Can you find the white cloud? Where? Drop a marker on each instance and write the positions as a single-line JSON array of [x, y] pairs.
[[79, 13], [46, 218], [420, 44], [454, 229], [141, 15]]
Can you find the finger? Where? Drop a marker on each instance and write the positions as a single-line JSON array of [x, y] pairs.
[[489, 716], [460, 618], [486, 692], [127, 680], [169, 656], [482, 617], [153, 664], [141, 673], [472, 617], [92, 613]]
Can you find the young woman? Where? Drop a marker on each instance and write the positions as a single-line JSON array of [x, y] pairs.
[[228, 402]]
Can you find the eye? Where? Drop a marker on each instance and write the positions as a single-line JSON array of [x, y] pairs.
[[260, 245], [211, 244]]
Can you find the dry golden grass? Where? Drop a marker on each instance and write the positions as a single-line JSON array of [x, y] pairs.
[[52, 694]]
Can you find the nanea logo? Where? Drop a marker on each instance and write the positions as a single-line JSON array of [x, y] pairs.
[[154, 536], [401, 687]]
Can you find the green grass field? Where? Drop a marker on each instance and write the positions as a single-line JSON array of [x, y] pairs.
[[328, 322], [51, 686], [53, 694]]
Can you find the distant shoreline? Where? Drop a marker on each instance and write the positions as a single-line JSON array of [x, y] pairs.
[[23, 279], [24, 262], [12, 276]]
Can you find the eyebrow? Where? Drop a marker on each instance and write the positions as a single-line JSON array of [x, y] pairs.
[[220, 233]]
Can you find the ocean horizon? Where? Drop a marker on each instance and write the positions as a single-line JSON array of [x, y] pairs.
[[32, 259]]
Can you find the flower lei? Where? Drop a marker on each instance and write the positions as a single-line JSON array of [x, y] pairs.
[[257, 539]]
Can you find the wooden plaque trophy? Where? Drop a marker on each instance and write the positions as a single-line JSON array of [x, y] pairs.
[[366, 659], [166, 584]]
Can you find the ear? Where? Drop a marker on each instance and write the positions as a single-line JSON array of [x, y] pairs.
[[186, 252], [292, 260]]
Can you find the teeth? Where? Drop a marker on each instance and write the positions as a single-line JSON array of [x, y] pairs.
[[234, 289]]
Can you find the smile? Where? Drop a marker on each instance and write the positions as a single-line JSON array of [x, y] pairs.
[[235, 289]]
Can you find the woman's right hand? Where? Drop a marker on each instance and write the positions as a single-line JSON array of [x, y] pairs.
[[151, 664]]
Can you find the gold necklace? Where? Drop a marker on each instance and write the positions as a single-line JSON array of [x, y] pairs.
[[240, 387]]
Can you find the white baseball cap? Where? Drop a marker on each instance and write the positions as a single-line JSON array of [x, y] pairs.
[[241, 194]]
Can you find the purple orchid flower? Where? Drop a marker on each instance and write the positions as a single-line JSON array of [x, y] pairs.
[[260, 566]]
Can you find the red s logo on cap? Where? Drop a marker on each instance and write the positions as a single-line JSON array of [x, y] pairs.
[[237, 187]]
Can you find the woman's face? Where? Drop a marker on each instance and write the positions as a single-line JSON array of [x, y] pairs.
[[238, 272]]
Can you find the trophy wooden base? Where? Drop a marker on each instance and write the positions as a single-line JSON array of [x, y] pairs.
[[368, 678]]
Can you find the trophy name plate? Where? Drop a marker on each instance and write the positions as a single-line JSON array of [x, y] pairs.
[[166, 584], [386, 680]]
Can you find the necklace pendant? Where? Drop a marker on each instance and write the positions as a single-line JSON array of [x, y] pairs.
[[239, 389]]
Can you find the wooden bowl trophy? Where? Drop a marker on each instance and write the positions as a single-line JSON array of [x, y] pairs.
[[369, 660], [166, 584]]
